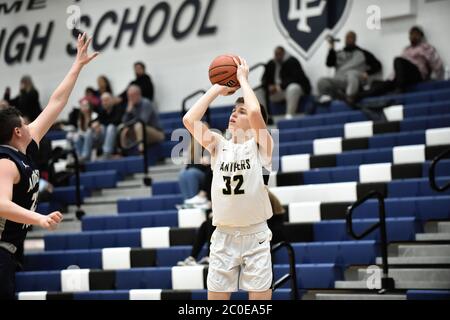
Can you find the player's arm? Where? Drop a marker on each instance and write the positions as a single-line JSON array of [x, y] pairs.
[[9, 175], [192, 119], [262, 135], [60, 96]]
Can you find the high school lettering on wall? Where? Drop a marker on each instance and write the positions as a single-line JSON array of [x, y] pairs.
[[21, 43]]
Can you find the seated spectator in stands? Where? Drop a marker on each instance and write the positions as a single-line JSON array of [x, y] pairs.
[[104, 85], [140, 108], [143, 81], [353, 67], [276, 222], [102, 131], [418, 62], [92, 97], [191, 178], [284, 80], [27, 101], [85, 118]]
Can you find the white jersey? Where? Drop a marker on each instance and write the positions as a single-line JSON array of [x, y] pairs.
[[238, 194]]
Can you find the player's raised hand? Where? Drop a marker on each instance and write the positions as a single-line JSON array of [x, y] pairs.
[[83, 43], [242, 69]]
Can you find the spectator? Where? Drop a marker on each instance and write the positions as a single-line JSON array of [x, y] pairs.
[[192, 177], [284, 80], [27, 101], [353, 66], [92, 97], [277, 220], [418, 62], [103, 130], [140, 108], [85, 118], [143, 81], [104, 85]]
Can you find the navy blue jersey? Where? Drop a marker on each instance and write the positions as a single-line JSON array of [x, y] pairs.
[[25, 194]]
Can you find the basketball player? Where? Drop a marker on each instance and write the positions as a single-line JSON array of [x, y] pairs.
[[240, 245], [19, 176]]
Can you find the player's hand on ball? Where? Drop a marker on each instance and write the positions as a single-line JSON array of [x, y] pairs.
[[51, 221], [242, 69], [83, 57], [226, 91]]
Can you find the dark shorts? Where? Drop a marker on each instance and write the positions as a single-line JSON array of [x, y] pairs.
[[8, 266]]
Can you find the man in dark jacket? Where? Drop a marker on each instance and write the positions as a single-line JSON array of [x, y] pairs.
[[284, 80], [143, 81], [353, 68]]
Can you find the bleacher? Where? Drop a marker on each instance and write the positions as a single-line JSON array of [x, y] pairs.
[[128, 244]]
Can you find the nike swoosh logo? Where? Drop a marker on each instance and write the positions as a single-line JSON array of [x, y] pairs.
[[262, 242]]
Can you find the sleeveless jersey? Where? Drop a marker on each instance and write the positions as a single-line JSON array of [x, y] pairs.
[[238, 194], [25, 194]]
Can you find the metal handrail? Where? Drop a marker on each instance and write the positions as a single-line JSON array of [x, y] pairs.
[[147, 179], [292, 275], [432, 172], [79, 212], [386, 282], [190, 96]]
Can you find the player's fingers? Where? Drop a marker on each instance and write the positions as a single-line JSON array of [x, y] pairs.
[[93, 56], [86, 45], [236, 61]]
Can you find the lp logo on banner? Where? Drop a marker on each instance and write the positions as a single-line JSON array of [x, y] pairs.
[[306, 23]]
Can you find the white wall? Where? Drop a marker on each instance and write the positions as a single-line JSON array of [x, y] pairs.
[[245, 27]]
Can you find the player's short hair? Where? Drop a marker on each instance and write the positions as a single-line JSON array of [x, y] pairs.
[[10, 118], [240, 100]]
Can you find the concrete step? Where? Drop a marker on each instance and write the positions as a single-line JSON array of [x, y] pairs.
[[96, 209], [419, 250], [359, 296], [64, 227], [437, 227], [140, 191], [427, 260], [433, 237], [411, 274], [398, 285]]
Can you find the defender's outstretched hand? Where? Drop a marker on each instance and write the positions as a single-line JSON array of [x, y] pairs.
[[83, 43]]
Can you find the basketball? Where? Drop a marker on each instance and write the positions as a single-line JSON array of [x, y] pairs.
[[222, 70]]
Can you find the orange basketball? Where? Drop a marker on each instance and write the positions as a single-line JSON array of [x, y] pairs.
[[222, 70]]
